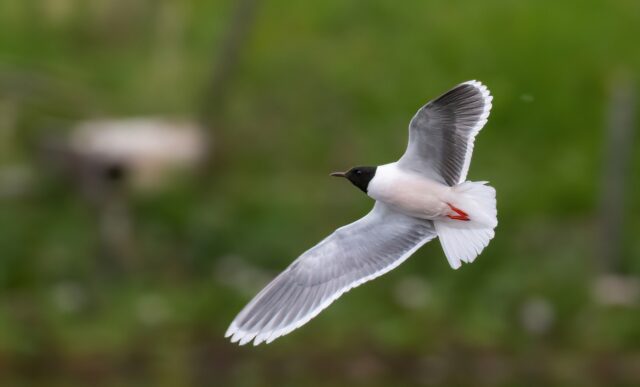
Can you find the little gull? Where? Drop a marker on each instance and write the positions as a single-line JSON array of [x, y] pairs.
[[423, 195]]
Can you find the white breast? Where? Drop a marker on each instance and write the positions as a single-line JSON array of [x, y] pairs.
[[408, 192]]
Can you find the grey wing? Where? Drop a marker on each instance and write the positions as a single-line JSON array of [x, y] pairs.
[[352, 255], [442, 132]]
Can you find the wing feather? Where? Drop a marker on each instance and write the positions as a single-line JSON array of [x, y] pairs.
[[442, 133], [352, 255]]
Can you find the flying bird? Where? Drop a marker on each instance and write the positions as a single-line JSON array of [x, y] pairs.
[[421, 196]]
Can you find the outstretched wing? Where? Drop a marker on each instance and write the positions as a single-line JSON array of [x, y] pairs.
[[442, 132], [352, 255]]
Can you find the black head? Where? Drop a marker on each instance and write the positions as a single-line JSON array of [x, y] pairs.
[[359, 176]]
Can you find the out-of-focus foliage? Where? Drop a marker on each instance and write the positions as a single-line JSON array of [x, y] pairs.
[[319, 86]]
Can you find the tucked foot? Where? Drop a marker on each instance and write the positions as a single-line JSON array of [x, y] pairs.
[[460, 215]]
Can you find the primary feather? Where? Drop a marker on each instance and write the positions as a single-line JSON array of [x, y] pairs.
[[442, 132], [352, 255]]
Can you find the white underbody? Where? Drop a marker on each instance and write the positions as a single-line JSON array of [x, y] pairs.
[[411, 193], [464, 215]]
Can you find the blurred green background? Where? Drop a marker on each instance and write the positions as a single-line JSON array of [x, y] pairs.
[[126, 270]]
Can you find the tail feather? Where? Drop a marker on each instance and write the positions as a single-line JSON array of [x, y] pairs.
[[463, 241]]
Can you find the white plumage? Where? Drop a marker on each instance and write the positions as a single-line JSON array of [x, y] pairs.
[[423, 195]]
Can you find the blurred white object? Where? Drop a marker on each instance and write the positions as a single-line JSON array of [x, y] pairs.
[[146, 148], [616, 290], [57, 12], [413, 292], [527, 98], [152, 309], [69, 297], [537, 316]]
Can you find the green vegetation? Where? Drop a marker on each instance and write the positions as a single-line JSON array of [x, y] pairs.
[[318, 87]]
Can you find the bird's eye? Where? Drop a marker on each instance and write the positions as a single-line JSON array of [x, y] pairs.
[[358, 172]]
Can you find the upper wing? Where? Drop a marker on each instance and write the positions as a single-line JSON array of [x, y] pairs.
[[442, 132], [352, 255]]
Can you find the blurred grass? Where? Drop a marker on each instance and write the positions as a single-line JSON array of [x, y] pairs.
[[320, 87]]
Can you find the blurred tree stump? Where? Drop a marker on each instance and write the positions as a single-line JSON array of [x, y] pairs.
[[619, 136], [226, 61]]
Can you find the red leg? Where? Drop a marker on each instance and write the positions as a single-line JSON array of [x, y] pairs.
[[461, 215]]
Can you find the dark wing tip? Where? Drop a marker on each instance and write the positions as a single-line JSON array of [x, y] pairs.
[[471, 100], [442, 132]]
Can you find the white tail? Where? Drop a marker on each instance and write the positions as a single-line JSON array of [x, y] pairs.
[[463, 241]]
